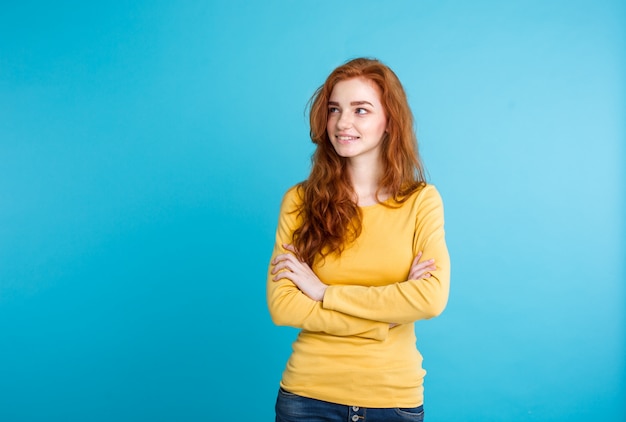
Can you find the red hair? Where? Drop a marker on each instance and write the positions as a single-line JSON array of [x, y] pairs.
[[331, 218]]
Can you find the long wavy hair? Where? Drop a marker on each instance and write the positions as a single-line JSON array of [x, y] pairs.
[[331, 218]]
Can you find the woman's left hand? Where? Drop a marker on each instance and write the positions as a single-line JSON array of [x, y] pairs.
[[288, 266]]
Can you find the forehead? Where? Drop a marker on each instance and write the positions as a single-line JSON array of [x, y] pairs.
[[356, 89]]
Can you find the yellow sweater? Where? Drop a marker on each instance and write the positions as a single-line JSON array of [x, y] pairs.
[[345, 352]]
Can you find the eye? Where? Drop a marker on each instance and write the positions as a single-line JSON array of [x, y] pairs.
[[361, 111], [333, 110]]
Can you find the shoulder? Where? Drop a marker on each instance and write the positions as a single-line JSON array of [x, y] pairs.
[[425, 193], [292, 198], [425, 203], [429, 191], [428, 207]]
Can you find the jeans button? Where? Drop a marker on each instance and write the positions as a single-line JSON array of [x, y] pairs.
[[355, 418], [355, 408]]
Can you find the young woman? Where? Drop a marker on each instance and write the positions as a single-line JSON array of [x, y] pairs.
[[360, 255]]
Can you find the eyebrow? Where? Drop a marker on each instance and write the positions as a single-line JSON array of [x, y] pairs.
[[353, 103]]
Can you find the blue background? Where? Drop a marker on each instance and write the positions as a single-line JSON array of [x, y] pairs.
[[145, 147]]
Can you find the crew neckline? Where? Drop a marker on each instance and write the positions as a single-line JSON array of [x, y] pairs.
[[363, 207]]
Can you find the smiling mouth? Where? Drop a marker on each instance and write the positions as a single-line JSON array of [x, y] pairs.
[[346, 138]]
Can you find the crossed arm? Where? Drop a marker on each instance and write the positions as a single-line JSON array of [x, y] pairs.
[[288, 266], [298, 298]]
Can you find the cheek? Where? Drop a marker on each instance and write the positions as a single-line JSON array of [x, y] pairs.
[[380, 127], [330, 124]]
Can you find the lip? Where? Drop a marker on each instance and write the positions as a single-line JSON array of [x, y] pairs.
[[345, 138]]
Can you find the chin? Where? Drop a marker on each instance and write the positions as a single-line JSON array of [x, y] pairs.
[[344, 152]]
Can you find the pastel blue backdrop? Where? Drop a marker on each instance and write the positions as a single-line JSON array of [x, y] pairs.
[[145, 147]]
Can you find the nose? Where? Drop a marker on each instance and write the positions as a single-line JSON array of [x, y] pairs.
[[344, 121]]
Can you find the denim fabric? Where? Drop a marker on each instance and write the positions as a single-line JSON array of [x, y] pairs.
[[291, 408]]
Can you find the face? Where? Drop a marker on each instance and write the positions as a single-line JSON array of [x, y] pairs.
[[356, 119]]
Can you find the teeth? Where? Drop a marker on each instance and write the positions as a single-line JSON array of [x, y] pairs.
[[346, 138]]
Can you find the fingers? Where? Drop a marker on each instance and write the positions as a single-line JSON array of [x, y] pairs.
[[421, 269], [284, 275], [287, 265], [290, 248], [430, 264], [416, 264], [417, 258], [420, 275], [421, 272], [284, 257], [284, 269], [284, 262]]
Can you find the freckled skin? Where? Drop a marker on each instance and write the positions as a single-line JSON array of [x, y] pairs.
[[356, 120]]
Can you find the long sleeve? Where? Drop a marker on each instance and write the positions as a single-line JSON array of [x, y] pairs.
[[411, 300], [289, 306]]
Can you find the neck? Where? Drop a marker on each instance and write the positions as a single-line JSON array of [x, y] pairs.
[[365, 179]]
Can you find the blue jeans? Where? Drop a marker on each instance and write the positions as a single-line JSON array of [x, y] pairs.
[[291, 408]]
